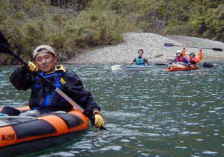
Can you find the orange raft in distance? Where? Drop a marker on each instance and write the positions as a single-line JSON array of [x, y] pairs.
[[181, 67], [38, 133]]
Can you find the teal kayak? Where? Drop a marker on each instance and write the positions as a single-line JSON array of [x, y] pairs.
[[130, 67], [137, 67]]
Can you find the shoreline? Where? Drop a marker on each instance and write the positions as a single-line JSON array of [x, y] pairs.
[[153, 45]]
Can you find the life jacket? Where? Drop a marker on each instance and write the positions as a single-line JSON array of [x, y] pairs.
[[179, 59], [47, 94], [195, 60], [139, 61], [186, 59], [200, 55]]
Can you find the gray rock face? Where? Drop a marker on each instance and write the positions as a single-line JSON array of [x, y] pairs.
[[153, 45]]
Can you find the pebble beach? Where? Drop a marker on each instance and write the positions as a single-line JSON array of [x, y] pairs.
[[153, 46]]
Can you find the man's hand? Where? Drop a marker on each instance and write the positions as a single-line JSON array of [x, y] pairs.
[[98, 120], [32, 67]]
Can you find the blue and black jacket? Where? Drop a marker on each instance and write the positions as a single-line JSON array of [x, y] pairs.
[[44, 98]]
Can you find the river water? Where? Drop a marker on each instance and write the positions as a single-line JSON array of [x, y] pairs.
[[149, 113]]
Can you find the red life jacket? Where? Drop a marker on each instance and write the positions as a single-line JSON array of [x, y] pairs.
[[179, 59]]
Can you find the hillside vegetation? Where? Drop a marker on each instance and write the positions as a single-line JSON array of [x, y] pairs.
[[73, 25]]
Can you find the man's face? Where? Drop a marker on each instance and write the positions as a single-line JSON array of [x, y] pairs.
[[45, 61], [140, 53]]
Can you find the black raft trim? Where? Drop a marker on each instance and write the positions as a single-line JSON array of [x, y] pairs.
[[69, 119], [36, 127]]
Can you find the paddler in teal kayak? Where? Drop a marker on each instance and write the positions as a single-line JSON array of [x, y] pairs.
[[43, 98], [140, 60]]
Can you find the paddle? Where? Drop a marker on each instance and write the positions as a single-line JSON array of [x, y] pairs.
[[5, 48], [116, 67], [171, 45], [158, 56]]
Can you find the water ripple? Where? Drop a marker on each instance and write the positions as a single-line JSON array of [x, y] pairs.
[[150, 113]]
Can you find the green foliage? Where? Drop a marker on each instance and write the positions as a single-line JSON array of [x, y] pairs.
[[32, 22], [215, 23], [100, 27], [28, 23]]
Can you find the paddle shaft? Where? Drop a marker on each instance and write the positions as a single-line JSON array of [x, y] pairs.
[[68, 99], [171, 45], [57, 90]]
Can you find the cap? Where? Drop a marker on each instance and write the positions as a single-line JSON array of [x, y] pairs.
[[43, 48]]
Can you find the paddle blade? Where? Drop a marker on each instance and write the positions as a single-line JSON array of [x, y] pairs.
[[217, 49], [207, 65], [169, 45], [159, 55], [4, 45], [115, 67], [3, 39], [4, 49]]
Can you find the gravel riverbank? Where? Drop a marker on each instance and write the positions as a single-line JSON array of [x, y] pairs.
[[153, 45]]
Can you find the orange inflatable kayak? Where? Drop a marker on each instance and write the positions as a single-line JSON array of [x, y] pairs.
[[19, 136], [176, 67]]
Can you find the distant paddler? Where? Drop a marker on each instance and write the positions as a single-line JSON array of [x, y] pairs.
[[196, 58], [140, 60]]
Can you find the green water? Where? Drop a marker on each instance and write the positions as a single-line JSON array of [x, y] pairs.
[[149, 113]]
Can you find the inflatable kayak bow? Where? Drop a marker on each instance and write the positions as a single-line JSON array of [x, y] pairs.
[[181, 67], [22, 136]]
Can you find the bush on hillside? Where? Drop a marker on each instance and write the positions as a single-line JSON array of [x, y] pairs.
[[67, 33]]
